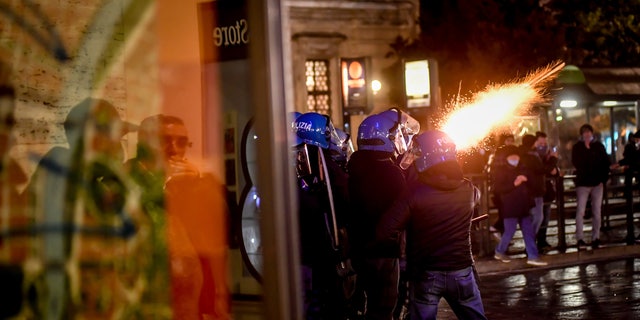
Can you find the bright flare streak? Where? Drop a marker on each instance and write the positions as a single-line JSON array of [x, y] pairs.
[[490, 108], [495, 106]]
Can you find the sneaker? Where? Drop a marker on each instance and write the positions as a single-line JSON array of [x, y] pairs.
[[502, 257], [582, 244], [595, 244], [536, 262]]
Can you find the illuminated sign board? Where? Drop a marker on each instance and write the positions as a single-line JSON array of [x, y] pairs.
[[356, 94], [421, 83]]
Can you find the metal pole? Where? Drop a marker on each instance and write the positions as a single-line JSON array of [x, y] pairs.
[[560, 213], [272, 100]]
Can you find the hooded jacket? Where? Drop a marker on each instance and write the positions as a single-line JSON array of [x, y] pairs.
[[515, 201], [436, 213]]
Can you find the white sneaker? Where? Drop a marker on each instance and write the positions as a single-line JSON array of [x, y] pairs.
[[537, 262], [502, 257]]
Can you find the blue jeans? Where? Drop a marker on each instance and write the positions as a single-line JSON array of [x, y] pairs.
[[459, 288], [582, 194], [526, 226], [537, 214]]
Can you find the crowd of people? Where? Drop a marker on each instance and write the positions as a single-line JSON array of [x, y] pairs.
[[385, 229], [401, 212], [398, 216]]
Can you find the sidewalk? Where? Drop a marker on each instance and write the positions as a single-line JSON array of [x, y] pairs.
[[613, 247], [489, 266]]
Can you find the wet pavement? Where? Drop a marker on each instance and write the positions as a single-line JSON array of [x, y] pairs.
[[601, 283], [596, 290]]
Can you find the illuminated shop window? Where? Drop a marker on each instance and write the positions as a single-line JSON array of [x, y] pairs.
[[317, 81]]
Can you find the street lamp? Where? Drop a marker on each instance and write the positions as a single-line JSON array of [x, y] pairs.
[[376, 86]]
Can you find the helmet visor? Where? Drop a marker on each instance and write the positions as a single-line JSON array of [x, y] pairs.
[[409, 126], [399, 141]]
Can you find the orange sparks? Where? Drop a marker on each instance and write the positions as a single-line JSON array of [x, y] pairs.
[[495, 106]]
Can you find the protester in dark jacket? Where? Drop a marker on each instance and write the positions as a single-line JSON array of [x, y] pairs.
[[550, 161], [534, 164], [436, 213], [516, 201], [592, 164], [496, 160]]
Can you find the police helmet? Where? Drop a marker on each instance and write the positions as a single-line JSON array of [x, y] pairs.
[[431, 148], [384, 132], [314, 129]]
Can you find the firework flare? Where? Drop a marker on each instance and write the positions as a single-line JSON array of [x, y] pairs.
[[475, 118]]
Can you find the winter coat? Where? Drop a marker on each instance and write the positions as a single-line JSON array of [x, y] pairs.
[[436, 213], [538, 168], [515, 201], [630, 157], [592, 164]]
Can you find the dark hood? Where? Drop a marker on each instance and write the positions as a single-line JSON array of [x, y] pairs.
[[444, 176]]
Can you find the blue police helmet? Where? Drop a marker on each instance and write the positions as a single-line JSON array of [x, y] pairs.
[[314, 129], [431, 148], [292, 119], [382, 132]]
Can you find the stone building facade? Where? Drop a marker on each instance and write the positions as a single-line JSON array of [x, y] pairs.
[[331, 30]]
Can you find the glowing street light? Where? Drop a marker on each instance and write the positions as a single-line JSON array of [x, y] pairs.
[[568, 103], [376, 86]]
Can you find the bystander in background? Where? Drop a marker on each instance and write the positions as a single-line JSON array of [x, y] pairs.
[[193, 203], [592, 164]]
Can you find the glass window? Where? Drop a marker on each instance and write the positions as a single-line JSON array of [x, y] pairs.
[[624, 123], [600, 119], [567, 125], [317, 81]]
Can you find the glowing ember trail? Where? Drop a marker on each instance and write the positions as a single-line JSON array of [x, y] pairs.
[[495, 106]]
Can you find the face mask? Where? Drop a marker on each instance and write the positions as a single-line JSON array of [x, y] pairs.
[[542, 150], [513, 162]]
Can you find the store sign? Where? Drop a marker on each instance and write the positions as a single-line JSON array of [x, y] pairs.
[[224, 30], [355, 80]]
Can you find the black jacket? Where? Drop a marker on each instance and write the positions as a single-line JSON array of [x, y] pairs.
[[592, 164], [630, 157], [375, 182], [515, 202], [436, 213], [538, 167]]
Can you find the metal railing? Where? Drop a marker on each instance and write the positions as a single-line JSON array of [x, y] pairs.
[[618, 208]]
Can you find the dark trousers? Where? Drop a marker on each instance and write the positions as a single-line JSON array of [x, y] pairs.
[[541, 236], [379, 278]]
